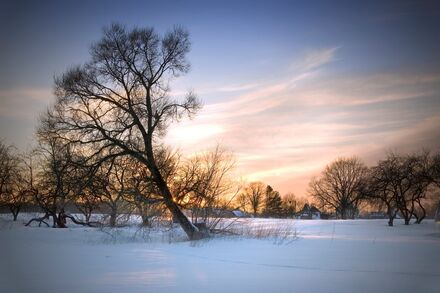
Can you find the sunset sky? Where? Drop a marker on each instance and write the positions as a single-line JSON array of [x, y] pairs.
[[287, 86]]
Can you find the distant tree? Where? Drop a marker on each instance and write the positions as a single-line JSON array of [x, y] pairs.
[[83, 181], [253, 196], [401, 182], [340, 186], [8, 170], [272, 203], [118, 104], [55, 174], [110, 183], [140, 190], [381, 189], [434, 169], [15, 181], [203, 185], [290, 204]]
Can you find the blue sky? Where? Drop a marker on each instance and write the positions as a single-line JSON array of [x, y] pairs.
[[287, 85]]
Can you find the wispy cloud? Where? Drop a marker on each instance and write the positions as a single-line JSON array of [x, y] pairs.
[[236, 87], [285, 131], [24, 103], [231, 88], [315, 58]]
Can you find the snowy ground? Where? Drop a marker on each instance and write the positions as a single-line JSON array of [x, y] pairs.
[[328, 256]]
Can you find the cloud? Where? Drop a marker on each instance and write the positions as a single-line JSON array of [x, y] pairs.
[[236, 87], [22, 103], [203, 90], [313, 59], [285, 131]]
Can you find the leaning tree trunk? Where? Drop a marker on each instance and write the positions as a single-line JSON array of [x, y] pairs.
[[190, 230]]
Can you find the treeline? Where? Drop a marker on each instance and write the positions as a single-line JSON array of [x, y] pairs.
[[261, 200], [55, 177], [400, 184]]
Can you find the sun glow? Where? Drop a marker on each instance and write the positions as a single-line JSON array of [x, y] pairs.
[[187, 133]]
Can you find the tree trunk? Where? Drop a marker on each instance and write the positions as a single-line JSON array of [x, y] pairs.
[[190, 230], [423, 215], [55, 220], [420, 219], [391, 215], [437, 213], [113, 216], [343, 214], [61, 220], [406, 214], [15, 211], [391, 221], [145, 221], [88, 215]]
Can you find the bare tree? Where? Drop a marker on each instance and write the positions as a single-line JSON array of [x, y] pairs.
[[381, 188], [8, 169], [340, 186], [54, 176], [15, 181], [83, 181], [253, 196], [204, 187], [110, 186], [401, 182], [141, 192], [118, 103], [291, 203], [434, 169]]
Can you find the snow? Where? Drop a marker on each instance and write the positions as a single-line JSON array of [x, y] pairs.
[[321, 256]]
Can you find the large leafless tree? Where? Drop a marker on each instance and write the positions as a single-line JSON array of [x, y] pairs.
[[340, 186], [119, 102]]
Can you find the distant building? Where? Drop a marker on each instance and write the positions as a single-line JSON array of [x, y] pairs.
[[309, 213]]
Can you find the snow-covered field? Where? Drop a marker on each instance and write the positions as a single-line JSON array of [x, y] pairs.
[[326, 256]]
